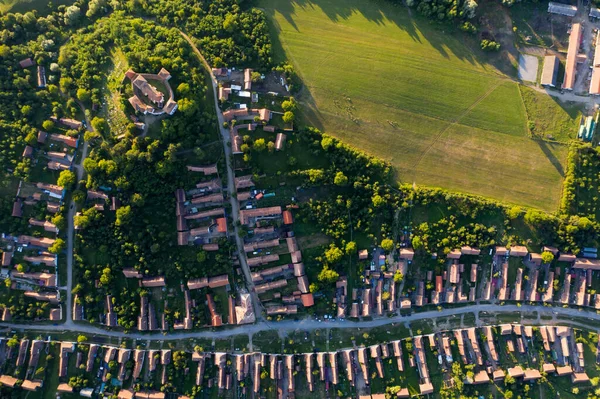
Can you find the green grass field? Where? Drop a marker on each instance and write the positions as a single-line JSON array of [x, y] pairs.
[[22, 6], [399, 87]]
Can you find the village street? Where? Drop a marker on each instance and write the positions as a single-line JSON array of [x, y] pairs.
[[286, 326], [71, 229], [235, 206]]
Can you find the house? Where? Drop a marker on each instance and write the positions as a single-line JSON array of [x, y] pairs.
[[28, 152], [41, 137], [572, 56], [91, 356], [224, 93], [130, 272], [562, 9], [363, 254], [215, 318], [48, 226], [407, 253], [247, 79], [583, 263], [550, 71], [32, 386], [516, 372], [243, 182], [467, 250], [251, 216], [150, 282], [66, 140], [41, 77], [26, 63], [17, 210], [282, 310], [51, 297], [23, 345], [42, 279], [65, 349], [54, 314], [454, 254], [280, 141], [8, 381], [287, 217], [70, 123], [518, 251]]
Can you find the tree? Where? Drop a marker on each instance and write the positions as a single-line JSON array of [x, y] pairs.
[[288, 117], [106, 276], [66, 179], [48, 125], [289, 105], [94, 7], [340, 179], [20, 268], [255, 77], [398, 277], [327, 142], [14, 341], [201, 257], [328, 276], [138, 200], [387, 245], [99, 124], [378, 200], [333, 254], [58, 246], [83, 95], [547, 257], [59, 221], [260, 145], [81, 339], [124, 216], [351, 248], [72, 14]]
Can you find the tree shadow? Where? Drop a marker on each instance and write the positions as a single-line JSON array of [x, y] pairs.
[[381, 12], [544, 146]]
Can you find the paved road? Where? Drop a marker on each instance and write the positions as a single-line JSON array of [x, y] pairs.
[[287, 326], [235, 206], [71, 231]]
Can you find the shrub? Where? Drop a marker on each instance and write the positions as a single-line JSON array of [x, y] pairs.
[[489, 45]]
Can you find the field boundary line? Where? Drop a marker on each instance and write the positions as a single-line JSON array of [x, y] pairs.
[[452, 123]]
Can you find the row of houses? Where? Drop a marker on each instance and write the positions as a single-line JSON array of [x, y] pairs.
[[548, 350], [204, 210], [462, 283]]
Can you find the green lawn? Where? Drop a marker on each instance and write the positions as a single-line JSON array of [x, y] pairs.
[[401, 88], [551, 118]]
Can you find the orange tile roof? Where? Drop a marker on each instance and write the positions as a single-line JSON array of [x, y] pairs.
[[571, 63]]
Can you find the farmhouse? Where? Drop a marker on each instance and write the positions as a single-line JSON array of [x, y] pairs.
[[26, 63], [562, 9], [550, 71], [595, 82], [41, 77], [572, 57]]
